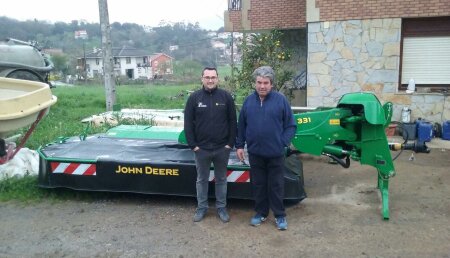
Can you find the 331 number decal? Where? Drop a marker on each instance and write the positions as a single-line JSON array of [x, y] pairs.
[[303, 120]]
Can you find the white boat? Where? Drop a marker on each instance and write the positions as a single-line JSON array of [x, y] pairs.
[[21, 102]]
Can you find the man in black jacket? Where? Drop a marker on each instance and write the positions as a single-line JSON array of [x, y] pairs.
[[210, 128]]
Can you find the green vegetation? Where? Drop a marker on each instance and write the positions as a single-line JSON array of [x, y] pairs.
[[262, 49], [26, 190], [224, 71], [76, 103], [22, 189], [64, 119], [189, 70]]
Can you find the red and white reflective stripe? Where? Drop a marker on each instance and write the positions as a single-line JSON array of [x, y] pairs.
[[234, 176], [73, 168]]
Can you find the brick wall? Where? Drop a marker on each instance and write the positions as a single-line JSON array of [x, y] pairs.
[[277, 14], [288, 14], [235, 18], [270, 14], [332, 10]]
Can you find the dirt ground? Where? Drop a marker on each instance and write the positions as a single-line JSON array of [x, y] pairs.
[[340, 218]]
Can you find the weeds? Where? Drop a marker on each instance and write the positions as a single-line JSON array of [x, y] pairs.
[[22, 189]]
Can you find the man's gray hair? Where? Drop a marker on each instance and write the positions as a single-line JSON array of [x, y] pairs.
[[265, 71]]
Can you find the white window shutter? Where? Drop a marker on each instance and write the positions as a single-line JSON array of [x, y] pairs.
[[426, 60]]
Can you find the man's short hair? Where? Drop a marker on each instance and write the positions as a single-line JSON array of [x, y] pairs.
[[265, 71], [210, 68]]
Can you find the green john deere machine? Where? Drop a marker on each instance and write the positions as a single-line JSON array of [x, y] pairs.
[[156, 160], [355, 129]]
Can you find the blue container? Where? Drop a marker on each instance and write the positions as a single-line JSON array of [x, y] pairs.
[[409, 130], [446, 130], [424, 131], [417, 122]]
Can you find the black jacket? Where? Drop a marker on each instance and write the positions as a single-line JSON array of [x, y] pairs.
[[210, 119]]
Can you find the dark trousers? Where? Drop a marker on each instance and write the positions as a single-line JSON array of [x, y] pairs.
[[267, 179]]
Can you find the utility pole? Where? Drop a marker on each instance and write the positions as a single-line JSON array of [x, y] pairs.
[[84, 63], [232, 53], [108, 73]]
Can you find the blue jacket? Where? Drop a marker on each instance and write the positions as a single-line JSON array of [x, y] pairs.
[[267, 127]]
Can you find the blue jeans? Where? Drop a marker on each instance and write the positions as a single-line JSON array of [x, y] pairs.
[[203, 160]]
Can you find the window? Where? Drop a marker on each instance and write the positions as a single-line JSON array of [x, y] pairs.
[[426, 60], [128, 60], [426, 53], [234, 5], [97, 61]]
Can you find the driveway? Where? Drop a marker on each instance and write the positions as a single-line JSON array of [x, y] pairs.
[[340, 218]]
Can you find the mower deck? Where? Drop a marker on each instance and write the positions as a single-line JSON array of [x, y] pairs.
[[104, 163]]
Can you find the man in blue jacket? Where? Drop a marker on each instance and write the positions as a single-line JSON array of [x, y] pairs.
[[266, 123], [210, 128]]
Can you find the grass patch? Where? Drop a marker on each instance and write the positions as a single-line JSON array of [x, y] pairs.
[[26, 190], [224, 71], [22, 189], [64, 119], [76, 103]]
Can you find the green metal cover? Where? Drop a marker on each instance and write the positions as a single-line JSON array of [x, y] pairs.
[[373, 111], [146, 132]]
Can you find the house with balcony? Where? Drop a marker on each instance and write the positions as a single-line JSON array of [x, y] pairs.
[[129, 62], [355, 46]]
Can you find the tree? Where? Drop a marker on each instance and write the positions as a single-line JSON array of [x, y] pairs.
[[261, 49], [60, 61]]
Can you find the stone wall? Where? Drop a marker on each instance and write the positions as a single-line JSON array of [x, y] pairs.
[[363, 55]]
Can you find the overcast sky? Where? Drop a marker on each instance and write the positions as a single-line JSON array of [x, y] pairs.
[[209, 13]]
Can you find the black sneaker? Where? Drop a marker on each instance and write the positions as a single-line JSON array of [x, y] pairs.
[[199, 215], [223, 214]]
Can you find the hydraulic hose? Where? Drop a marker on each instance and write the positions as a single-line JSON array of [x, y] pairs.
[[345, 164]]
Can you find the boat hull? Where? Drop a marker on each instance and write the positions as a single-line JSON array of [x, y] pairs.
[[21, 101]]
